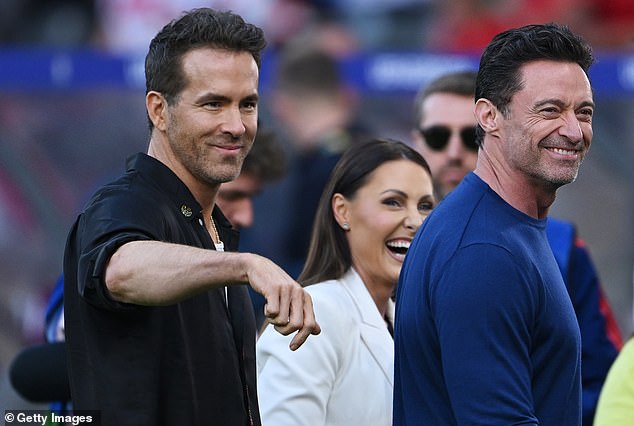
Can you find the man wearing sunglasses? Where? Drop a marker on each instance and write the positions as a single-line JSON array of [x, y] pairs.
[[445, 136], [445, 132]]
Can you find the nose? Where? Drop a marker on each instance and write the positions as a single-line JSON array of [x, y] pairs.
[[455, 147], [233, 123], [571, 128], [414, 219], [243, 214]]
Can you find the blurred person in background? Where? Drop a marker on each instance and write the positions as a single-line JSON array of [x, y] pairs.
[[378, 195], [444, 128], [52, 23], [616, 402], [126, 26], [444, 134], [158, 323], [316, 116], [485, 331], [265, 164], [382, 24]]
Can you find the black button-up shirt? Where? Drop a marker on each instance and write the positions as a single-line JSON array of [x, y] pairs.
[[191, 363]]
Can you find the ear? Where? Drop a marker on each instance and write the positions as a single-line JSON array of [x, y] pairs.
[[487, 115], [340, 209], [156, 106]]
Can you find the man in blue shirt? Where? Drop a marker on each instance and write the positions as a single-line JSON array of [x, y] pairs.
[[444, 134], [485, 331]]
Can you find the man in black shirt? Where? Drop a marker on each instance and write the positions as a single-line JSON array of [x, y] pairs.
[[159, 328]]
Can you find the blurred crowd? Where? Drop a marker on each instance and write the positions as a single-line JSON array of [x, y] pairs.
[[456, 25]]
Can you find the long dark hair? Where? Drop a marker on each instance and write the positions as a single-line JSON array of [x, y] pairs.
[[329, 254]]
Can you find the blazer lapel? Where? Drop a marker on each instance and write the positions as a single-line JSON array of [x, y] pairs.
[[374, 333]]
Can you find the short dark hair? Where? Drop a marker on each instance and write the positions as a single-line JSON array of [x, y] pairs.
[[499, 76], [202, 27], [329, 255], [306, 70], [267, 160], [461, 83]]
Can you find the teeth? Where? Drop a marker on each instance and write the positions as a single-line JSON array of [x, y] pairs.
[[399, 244], [564, 151]]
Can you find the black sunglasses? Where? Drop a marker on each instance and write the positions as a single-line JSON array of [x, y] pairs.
[[437, 137]]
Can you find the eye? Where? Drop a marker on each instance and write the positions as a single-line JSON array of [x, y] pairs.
[[392, 202], [585, 114], [550, 111], [249, 106], [426, 207], [212, 105]]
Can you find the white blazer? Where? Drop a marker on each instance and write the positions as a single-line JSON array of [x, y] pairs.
[[341, 377]]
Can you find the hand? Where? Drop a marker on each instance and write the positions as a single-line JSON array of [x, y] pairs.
[[288, 306]]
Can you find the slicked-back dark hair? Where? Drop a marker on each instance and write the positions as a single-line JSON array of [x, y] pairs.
[[499, 73], [202, 27], [329, 253]]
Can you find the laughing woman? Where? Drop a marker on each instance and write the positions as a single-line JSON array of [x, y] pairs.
[[378, 195]]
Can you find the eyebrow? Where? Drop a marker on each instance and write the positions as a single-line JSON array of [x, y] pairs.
[[397, 191], [404, 195]]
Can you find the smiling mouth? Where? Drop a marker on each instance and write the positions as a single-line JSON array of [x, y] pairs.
[[564, 151], [398, 247]]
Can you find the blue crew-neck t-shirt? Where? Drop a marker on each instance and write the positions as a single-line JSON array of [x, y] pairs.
[[485, 331]]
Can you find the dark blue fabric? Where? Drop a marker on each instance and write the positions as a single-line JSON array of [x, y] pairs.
[[561, 237], [485, 331]]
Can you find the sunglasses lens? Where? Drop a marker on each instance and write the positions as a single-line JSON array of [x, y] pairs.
[[436, 137], [468, 135]]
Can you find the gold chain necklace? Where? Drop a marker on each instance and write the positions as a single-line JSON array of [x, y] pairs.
[[219, 245]]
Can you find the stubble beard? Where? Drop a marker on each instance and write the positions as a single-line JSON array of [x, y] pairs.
[[200, 164]]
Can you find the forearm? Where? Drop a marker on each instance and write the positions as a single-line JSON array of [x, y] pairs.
[[158, 273]]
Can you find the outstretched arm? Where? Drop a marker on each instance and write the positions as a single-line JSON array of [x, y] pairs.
[[158, 273]]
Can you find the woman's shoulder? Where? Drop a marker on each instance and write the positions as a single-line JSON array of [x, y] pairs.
[[331, 301], [331, 292]]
